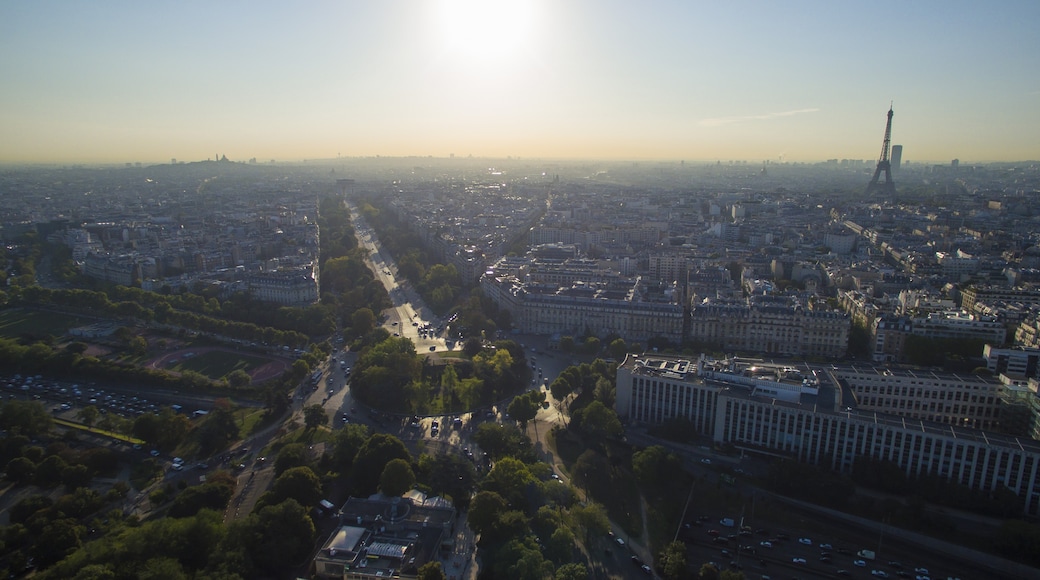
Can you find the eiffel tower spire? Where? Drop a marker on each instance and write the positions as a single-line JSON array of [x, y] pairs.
[[883, 164]]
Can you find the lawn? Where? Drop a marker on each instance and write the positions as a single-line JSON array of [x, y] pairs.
[[15, 322], [217, 364]]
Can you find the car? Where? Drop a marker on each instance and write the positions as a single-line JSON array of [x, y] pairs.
[[805, 541], [725, 553], [921, 571], [859, 563], [177, 466], [894, 564], [879, 573], [713, 532], [922, 577], [706, 461], [645, 568], [620, 542], [798, 560], [827, 547], [178, 461], [556, 477], [766, 544], [635, 560]]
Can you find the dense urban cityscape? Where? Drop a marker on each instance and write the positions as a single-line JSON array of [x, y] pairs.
[[514, 367]]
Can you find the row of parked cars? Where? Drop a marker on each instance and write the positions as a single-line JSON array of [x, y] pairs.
[[69, 395]]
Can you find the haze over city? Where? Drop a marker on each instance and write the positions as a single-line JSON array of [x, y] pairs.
[[114, 82]]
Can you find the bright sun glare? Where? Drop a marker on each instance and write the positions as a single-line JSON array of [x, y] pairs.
[[487, 31]]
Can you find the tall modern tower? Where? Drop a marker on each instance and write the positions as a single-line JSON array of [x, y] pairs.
[[883, 164], [897, 157]]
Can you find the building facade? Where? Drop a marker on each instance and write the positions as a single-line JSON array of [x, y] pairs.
[[818, 420]]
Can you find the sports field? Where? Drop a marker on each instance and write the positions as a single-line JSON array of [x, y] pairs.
[[218, 362], [215, 364]]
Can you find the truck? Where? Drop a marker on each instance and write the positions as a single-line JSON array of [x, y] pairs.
[[866, 554]]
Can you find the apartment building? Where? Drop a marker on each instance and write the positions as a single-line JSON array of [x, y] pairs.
[[631, 308], [297, 287], [767, 326]]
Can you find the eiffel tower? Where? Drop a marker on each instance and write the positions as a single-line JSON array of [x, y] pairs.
[[883, 164]]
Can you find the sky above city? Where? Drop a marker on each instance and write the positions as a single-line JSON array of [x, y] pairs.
[[799, 81]]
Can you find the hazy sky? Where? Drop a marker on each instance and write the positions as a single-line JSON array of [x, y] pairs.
[[102, 81]]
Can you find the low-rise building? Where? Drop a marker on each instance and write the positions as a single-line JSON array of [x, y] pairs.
[[381, 538]]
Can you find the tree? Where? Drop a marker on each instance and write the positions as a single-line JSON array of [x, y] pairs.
[[282, 536], [213, 496], [48, 472], [590, 518], [25, 508], [431, 571], [484, 511], [708, 572], [314, 416], [138, 345], [567, 344], [163, 568], [397, 478], [572, 571], [290, 456], [300, 484], [345, 445], [598, 422], [372, 458], [362, 321], [218, 428], [523, 561], [20, 470], [524, 407], [672, 562], [88, 415], [510, 478], [238, 378], [25, 418], [653, 466], [57, 540], [618, 349], [560, 546]]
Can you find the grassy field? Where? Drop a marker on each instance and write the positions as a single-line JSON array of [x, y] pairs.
[[15, 322], [217, 364]]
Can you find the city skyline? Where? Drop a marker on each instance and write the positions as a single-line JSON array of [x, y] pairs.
[[118, 82]]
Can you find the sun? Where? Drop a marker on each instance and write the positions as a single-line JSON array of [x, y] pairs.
[[487, 31]]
